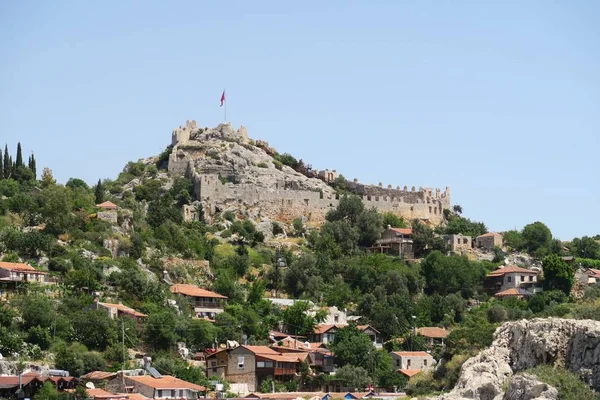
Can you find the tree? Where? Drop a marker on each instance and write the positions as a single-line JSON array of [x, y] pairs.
[[47, 177], [356, 378], [95, 329], [393, 221], [32, 166], [586, 247], [297, 319], [36, 310], [452, 274], [513, 240], [7, 163], [537, 238], [457, 209], [19, 160], [424, 240], [557, 274], [353, 347], [1, 166], [75, 183]]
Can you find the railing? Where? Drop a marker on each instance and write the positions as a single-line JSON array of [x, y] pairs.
[[207, 304], [285, 371]]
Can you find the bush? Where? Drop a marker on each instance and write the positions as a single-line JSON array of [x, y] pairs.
[[277, 229], [278, 164], [262, 165], [229, 215], [567, 383]]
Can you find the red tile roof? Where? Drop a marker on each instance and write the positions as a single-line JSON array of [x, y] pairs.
[[194, 291], [511, 269], [319, 329], [20, 267], [403, 231], [99, 375], [594, 273], [166, 382], [107, 205], [365, 327], [513, 292], [412, 354], [103, 394], [409, 372], [433, 332]]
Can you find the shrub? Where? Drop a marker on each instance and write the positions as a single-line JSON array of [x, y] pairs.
[[278, 164], [229, 215], [262, 165], [277, 229], [567, 383]]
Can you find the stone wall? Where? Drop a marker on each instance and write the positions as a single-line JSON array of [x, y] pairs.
[[247, 375]]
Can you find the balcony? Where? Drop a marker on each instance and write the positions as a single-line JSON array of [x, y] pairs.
[[216, 303], [284, 371]]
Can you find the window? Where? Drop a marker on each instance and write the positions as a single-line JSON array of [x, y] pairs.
[[522, 278], [336, 319], [213, 363], [241, 362], [397, 363], [173, 393], [424, 363], [160, 393], [530, 278], [260, 364], [408, 363], [508, 279]]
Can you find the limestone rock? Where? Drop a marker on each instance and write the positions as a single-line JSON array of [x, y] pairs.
[[527, 387], [520, 345]]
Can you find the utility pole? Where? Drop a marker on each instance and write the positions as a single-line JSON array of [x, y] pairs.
[[123, 344]]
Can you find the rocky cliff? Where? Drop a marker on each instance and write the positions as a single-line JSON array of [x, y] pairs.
[[573, 344]]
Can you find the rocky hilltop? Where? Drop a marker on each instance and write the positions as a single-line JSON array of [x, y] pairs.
[[573, 344], [232, 172]]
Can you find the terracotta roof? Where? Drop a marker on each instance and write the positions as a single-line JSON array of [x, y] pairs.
[[365, 327], [489, 234], [103, 394], [511, 269], [433, 332], [13, 381], [403, 231], [409, 372], [194, 291], [277, 334], [166, 382], [513, 292], [99, 375], [595, 273], [261, 350], [107, 205], [412, 354], [124, 309], [319, 329], [135, 396], [19, 267]]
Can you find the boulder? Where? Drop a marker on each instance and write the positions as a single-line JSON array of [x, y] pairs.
[[527, 387]]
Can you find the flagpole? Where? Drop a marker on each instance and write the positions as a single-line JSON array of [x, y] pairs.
[[225, 105]]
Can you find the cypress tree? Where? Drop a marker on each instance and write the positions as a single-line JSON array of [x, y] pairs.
[[7, 162], [1, 166], [99, 192], [32, 166], [19, 160]]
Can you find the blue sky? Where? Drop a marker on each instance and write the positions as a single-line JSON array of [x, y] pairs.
[[498, 100]]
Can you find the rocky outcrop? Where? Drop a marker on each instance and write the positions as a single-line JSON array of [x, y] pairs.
[[519, 345], [527, 387]]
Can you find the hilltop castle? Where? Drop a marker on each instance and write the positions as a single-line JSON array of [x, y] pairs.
[[230, 171]]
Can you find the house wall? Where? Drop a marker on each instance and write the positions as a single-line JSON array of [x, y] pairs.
[[459, 243], [217, 364], [139, 388], [515, 279], [412, 362], [488, 242], [247, 374]]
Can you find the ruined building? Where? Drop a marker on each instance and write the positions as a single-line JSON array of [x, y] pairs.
[[230, 171]]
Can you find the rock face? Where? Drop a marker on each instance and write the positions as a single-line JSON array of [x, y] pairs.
[[527, 387], [520, 345]]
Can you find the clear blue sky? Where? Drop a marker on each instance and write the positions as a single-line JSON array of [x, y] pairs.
[[498, 100]]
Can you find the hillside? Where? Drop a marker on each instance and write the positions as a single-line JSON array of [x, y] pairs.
[[85, 268]]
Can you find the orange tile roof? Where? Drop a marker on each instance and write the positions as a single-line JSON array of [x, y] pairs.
[[403, 231], [409, 372], [365, 327], [433, 332], [103, 394], [19, 267], [166, 382], [134, 396], [412, 354], [594, 273], [107, 205], [194, 291], [124, 309], [261, 350], [511, 269], [319, 329], [99, 375], [513, 292]]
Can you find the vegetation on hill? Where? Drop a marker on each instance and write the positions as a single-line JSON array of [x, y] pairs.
[[58, 229]]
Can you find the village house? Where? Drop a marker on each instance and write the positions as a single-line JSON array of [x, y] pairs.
[[206, 304], [334, 316], [410, 363], [488, 241], [512, 281], [325, 333], [252, 365], [216, 364], [458, 243], [160, 387], [593, 276], [30, 383], [107, 205], [320, 358], [395, 242], [13, 273], [118, 310], [434, 336]]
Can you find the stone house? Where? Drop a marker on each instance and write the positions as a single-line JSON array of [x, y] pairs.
[[118, 310], [488, 241], [19, 272], [433, 335], [395, 242], [216, 364], [160, 387], [320, 358], [107, 211], [512, 281], [206, 304], [410, 363], [252, 365], [458, 243], [334, 316]]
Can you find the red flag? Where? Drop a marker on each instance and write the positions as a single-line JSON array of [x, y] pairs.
[[223, 98]]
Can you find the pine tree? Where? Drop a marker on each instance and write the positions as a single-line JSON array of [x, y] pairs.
[[19, 160], [99, 192], [7, 163], [32, 166]]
